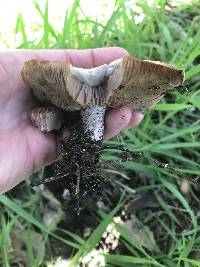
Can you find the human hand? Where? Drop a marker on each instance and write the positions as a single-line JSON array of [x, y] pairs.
[[23, 148]]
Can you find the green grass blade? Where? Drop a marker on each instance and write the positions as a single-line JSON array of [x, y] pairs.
[[95, 237], [28, 217]]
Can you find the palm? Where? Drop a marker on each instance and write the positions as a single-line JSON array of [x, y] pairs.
[[23, 148]]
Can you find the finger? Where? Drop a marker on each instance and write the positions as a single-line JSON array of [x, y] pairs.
[[94, 57], [116, 120], [80, 58], [11, 62], [136, 118]]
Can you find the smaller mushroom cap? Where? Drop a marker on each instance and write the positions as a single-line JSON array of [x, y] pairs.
[[135, 83]]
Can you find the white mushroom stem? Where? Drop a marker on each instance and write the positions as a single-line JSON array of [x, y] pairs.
[[93, 121]]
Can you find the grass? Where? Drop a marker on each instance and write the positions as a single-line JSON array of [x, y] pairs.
[[169, 132]]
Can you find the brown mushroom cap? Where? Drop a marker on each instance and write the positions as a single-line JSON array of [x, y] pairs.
[[135, 83]]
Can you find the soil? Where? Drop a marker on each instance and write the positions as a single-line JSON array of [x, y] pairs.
[[79, 169]]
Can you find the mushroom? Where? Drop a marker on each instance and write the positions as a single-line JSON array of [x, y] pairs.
[[128, 81]]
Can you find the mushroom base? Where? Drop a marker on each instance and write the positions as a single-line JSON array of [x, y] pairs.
[[80, 166]]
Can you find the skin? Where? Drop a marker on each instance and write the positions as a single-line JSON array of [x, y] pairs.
[[23, 148]]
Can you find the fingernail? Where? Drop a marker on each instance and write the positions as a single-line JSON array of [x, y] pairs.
[[137, 117]]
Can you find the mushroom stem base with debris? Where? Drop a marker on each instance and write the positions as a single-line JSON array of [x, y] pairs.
[[80, 166]]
